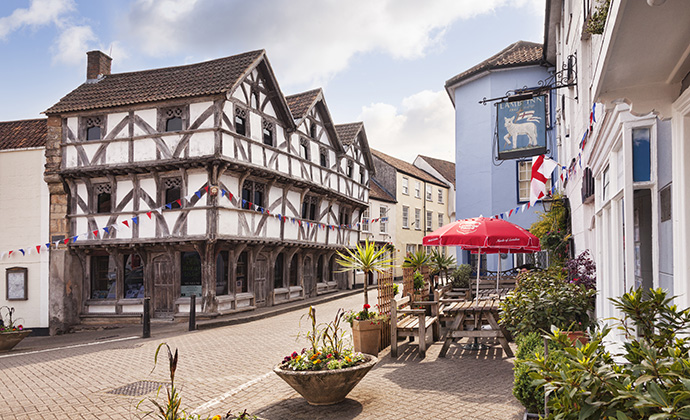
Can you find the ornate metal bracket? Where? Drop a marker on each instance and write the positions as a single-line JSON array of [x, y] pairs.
[[566, 77]]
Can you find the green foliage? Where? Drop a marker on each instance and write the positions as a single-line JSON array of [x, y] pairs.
[[418, 281], [396, 288], [553, 229], [365, 315], [654, 381], [366, 258], [461, 276], [440, 264], [544, 298], [327, 349], [417, 260], [597, 22]]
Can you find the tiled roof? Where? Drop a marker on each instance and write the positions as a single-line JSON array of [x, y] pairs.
[[207, 78], [377, 192], [23, 134], [407, 168], [300, 103], [347, 133], [445, 168], [521, 53]]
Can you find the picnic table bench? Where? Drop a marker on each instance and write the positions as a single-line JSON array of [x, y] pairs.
[[409, 322]]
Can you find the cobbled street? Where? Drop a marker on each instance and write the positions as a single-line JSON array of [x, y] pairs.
[[230, 368]]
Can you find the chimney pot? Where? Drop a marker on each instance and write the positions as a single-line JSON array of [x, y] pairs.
[[97, 63]]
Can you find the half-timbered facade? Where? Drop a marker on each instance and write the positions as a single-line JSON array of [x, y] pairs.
[[197, 180]]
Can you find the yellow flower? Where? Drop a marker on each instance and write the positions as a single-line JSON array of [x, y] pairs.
[[317, 361], [216, 417]]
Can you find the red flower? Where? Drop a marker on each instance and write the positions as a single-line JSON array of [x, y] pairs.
[[367, 306]]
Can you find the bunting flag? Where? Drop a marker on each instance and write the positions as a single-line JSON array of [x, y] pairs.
[[125, 222], [541, 172]]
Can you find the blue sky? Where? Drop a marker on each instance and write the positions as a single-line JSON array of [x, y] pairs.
[[383, 62]]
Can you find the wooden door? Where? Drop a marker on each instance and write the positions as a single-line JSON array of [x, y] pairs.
[[261, 280], [308, 276], [163, 287]]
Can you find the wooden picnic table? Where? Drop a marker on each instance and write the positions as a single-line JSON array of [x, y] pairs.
[[464, 313]]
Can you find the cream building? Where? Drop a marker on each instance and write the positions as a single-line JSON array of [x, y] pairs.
[[422, 203], [24, 211]]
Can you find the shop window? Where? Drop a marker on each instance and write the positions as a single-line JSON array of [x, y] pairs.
[[241, 281], [278, 271], [222, 271], [405, 217], [252, 192], [268, 133], [241, 121], [294, 281], [93, 127], [190, 274], [103, 277], [134, 277], [173, 192], [365, 221], [103, 198]]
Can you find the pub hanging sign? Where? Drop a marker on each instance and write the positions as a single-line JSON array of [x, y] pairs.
[[521, 127]]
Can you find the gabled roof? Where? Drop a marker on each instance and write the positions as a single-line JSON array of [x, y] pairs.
[[200, 79], [408, 168], [301, 103], [518, 54], [23, 134], [378, 192], [348, 134], [445, 168]]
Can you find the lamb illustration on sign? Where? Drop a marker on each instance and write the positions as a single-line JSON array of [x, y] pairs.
[[521, 128]]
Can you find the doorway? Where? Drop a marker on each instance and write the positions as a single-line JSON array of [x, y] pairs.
[[163, 287], [261, 280]]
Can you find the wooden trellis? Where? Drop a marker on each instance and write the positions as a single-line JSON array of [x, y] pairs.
[[408, 281], [385, 295]]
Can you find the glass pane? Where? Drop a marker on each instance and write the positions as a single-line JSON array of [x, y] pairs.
[[278, 272], [246, 197], [134, 277], [103, 203], [641, 155], [93, 133], [240, 126], [173, 124], [103, 278], [242, 273], [268, 137], [190, 274], [171, 197]]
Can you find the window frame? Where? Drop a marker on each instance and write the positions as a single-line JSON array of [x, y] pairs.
[[365, 220], [96, 197], [429, 190], [527, 180], [418, 218], [169, 112], [417, 189], [383, 212], [323, 157], [310, 206], [440, 196], [241, 114], [165, 196], [406, 185], [429, 220], [405, 217], [304, 148], [253, 187], [268, 127], [92, 121], [441, 220]]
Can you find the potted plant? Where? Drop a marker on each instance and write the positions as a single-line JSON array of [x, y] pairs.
[[367, 259], [326, 371], [417, 260], [11, 333], [366, 329], [441, 264], [418, 283]]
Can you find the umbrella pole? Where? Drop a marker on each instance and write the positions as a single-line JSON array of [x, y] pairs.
[[476, 345], [479, 266], [498, 273]]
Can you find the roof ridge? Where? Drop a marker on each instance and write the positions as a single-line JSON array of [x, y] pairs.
[[23, 120]]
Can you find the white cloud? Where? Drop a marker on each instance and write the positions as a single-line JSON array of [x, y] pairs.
[[39, 13], [310, 40], [424, 124], [72, 44]]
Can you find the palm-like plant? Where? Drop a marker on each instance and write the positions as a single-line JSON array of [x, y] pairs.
[[366, 258], [416, 260], [441, 263]]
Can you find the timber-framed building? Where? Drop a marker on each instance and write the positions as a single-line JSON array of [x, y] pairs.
[[199, 180]]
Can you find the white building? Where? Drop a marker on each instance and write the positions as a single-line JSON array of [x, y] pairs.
[[24, 223], [628, 180]]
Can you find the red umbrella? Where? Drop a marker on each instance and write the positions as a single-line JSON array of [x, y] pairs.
[[484, 235]]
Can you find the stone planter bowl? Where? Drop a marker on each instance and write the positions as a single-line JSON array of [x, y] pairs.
[[326, 387], [10, 339]]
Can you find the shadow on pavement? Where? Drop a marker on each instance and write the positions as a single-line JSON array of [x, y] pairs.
[[298, 408]]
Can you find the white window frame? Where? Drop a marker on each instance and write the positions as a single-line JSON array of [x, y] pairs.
[[405, 185], [405, 217], [429, 220], [429, 193], [524, 179], [441, 220], [440, 196], [418, 189], [418, 219], [383, 212], [365, 220]]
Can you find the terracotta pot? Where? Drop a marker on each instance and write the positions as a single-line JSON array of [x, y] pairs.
[[580, 336], [326, 387], [10, 339], [366, 337]]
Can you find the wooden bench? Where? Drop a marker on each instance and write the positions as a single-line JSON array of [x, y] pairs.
[[408, 322]]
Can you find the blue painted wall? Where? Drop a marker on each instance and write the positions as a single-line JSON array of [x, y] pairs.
[[484, 186]]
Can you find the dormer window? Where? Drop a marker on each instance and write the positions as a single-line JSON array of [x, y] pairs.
[[312, 130], [103, 198], [323, 157], [93, 127], [304, 149], [268, 133], [241, 121]]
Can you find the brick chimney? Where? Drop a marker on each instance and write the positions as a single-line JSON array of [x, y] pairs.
[[97, 63]]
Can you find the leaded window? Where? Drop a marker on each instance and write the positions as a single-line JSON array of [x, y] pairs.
[[173, 192], [173, 119], [309, 206], [241, 121], [252, 193], [268, 133], [102, 194], [304, 148], [323, 157], [93, 127]]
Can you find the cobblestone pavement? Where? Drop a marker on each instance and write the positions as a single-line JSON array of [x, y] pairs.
[[229, 368]]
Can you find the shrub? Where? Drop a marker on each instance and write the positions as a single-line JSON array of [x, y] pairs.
[[418, 282], [582, 270], [652, 383], [542, 299], [461, 276]]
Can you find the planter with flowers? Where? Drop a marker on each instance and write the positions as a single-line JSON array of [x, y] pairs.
[[327, 371], [366, 330], [11, 333]]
